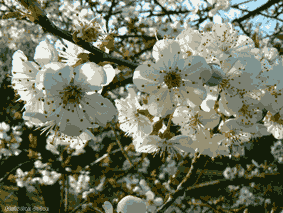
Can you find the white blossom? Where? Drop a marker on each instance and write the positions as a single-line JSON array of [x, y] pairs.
[[172, 80], [67, 100]]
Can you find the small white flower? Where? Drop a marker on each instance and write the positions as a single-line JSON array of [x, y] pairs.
[[274, 125], [49, 178], [68, 102], [210, 145], [224, 41], [190, 41], [24, 78], [172, 80], [4, 127], [230, 173], [129, 115], [191, 120]]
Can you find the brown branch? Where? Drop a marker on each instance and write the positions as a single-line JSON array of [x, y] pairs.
[[189, 180], [163, 9], [121, 147], [48, 26], [256, 11]]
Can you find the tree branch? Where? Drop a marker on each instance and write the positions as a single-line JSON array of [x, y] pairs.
[[256, 11], [48, 26]]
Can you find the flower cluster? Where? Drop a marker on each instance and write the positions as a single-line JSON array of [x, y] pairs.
[[206, 91], [9, 143], [197, 81]]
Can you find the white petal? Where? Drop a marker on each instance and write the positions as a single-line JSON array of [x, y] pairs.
[[110, 72], [195, 68], [160, 103], [131, 204], [192, 94], [86, 135], [45, 53], [107, 206], [170, 56], [55, 80], [143, 84], [148, 144], [230, 105], [76, 123], [98, 109], [19, 55], [209, 119], [182, 142], [90, 76], [34, 117], [165, 47]]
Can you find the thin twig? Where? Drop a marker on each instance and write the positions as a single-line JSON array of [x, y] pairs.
[[8, 173], [208, 205], [48, 26], [256, 11], [66, 193], [121, 147], [62, 206], [181, 186]]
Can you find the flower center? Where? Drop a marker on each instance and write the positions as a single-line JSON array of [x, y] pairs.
[[195, 122], [72, 94], [172, 79], [225, 84]]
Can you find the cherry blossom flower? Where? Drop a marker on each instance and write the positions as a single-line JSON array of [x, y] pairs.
[[172, 80], [219, 5], [277, 151], [239, 80], [49, 178], [207, 144], [132, 116], [223, 42], [272, 99], [24, 74], [24, 78], [67, 101], [250, 112], [190, 42], [88, 31], [235, 134], [274, 124], [191, 120], [80, 185]]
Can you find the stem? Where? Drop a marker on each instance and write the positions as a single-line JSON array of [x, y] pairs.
[[121, 147], [48, 26], [62, 207], [66, 192], [182, 186], [2, 179]]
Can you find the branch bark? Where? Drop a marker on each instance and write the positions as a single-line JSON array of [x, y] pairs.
[[256, 11]]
